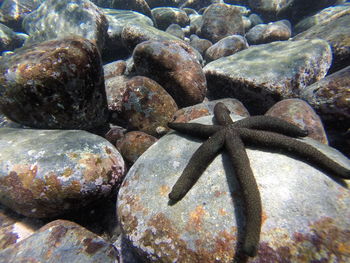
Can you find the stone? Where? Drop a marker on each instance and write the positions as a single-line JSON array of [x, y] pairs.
[[56, 84], [114, 69], [219, 21], [330, 97], [198, 4], [262, 75], [206, 108], [115, 89], [337, 34], [306, 214], [61, 241], [12, 12], [200, 44], [146, 106], [134, 144], [255, 19], [45, 173], [225, 47], [9, 39], [301, 114], [175, 30], [324, 16], [165, 16], [266, 33], [64, 18], [268, 9], [174, 66]]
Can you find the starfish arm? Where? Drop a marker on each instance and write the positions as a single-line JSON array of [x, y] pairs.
[[195, 129], [197, 165], [222, 114], [251, 195], [271, 124], [293, 146]]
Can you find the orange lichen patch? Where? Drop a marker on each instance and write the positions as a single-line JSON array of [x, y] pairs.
[[263, 217], [196, 219], [67, 172], [73, 155], [12, 182], [95, 166], [164, 190], [224, 245], [222, 212], [190, 114], [26, 173]]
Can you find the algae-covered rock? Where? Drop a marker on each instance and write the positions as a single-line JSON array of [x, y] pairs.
[[44, 173]]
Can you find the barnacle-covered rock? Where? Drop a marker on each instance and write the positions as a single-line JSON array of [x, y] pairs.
[[306, 214], [57, 84], [61, 241], [44, 173]]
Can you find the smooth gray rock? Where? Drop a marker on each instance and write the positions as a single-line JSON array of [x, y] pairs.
[[62, 18], [45, 173], [262, 75], [306, 214]]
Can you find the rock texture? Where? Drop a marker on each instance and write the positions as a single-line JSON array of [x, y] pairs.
[[306, 214], [45, 173]]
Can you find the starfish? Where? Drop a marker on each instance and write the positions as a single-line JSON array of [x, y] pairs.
[[263, 131]]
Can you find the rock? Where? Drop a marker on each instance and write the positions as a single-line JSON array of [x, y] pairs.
[[115, 89], [146, 106], [175, 30], [200, 44], [305, 213], [134, 144], [46, 173], [337, 34], [12, 12], [58, 19], [57, 84], [114, 48], [114, 69], [226, 47], [324, 16], [159, 3], [268, 9], [255, 19], [219, 21], [262, 75], [266, 33], [299, 113], [132, 35], [198, 4], [165, 16], [61, 241], [174, 66], [9, 40], [207, 108], [195, 23], [330, 97]]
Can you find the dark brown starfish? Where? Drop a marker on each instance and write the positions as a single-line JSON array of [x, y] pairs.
[[262, 131]]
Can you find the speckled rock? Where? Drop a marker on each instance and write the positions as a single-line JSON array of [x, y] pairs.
[[226, 47], [7, 123], [337, 33], [61, 241], [9, 40], [165, 16], [12, 12], [207, 108], [134, 144], [324, 16], [266, 33], [219, 21], [174, 66], [113, 69], [58, 19], [158, 3], [267, 8], [146, 106], [175, 30], [200, 44], [300, 113], [306, 214], [57, 84], [132, 35], [44, 173], [198, 4], [262, 75], [117, 19], [115, 89], [330, 97]]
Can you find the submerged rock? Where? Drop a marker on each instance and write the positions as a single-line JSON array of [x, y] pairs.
[[165, 16], [44, 173], [262, 75], [306, 214], [56, 84]]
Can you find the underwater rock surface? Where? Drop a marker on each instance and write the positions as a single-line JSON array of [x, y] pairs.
[[306, 214], [44, 173], [56, 84], [264, 74], [61, 241]]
